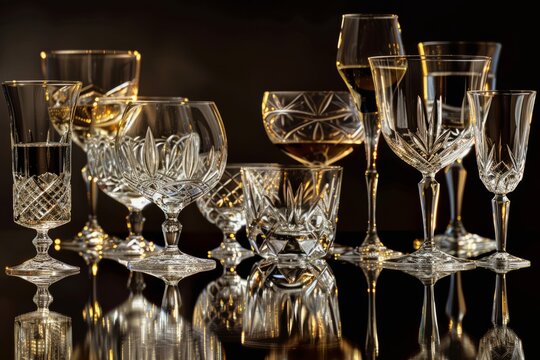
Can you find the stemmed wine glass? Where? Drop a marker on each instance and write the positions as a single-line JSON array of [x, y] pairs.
[[41, 114], [362, 36], [172, 153], [224, 207], [456, 237], [313, 127], [501, 122], [425, 121], [104, 73]]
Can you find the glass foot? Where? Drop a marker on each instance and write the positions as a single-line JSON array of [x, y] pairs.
[[433, 260], [42, 270], [460, 243], [230, 253], [92, 239], [336, 250], [171, 265], [132, 248], [502, 262], [372, 249]]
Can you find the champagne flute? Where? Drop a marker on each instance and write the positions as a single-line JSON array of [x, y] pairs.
[[362, 36]]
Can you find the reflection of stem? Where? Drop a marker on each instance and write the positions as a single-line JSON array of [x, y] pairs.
[[92, 311], [429, 198], [501, 208], [372, 132], [455, 304], [136, 283], [172, 302], [500, 315], [456, 174], [428, 336], [91, 194], [43, 298], [372, 340]]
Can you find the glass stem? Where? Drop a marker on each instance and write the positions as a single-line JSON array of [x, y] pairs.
[[501, 207], [372, 132], [42, 241], [91, 194], [135, 222], [171, 302], [455, 175], [429, 199], [229, 237], [428, 336], [455, 304], [372, 340], [500, 315], [171, 231]]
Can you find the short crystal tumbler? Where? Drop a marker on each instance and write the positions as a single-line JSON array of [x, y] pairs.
[[291, 211]]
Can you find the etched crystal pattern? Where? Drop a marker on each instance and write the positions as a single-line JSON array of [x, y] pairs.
[[171, 172], [42, 201], [224, 204], [311, 117], [435, 143], [285, 218]]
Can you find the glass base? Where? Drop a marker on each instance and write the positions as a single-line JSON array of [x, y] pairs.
[[460, 243], [429, 261], [230, 253], [89, 242], [171, 265], [502, 262], [372, 249], [132, 248], [42, 270], [336, 250]]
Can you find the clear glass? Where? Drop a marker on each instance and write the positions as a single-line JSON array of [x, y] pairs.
[[100, 149], [362, 36], [270, 318], [502, 122], [456, 238], [43, 335], [312, 127], [425, 121], [41, 114], [104, 73], [224, 207], [172, 153], [291, 211]]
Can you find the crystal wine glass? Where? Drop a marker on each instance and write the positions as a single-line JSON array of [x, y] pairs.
[[224, 207], [102, 166], [172, 153], [104, 73], [313, 127], [456, 237], [362, 36], [425, 121], [501, 121], [41, 114]]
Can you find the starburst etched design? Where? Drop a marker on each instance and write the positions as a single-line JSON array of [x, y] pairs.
[[172, 171], [288, 214]]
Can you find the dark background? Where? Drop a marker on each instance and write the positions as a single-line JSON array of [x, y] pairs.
[[231, 52]]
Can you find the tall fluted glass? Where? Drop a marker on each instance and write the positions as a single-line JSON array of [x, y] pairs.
[[41, 114], [456, 238], [172, 153], [362, 36], [425, 121], [502, 122], [104, 73]]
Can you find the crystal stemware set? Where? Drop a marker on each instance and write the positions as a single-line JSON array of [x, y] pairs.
[[431, 108]]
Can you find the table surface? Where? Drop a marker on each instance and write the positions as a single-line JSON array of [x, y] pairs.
[[399, 299]]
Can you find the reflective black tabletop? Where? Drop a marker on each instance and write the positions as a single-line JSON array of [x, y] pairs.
[[323, 310]]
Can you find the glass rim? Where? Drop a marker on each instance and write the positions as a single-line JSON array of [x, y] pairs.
[[501, 92], [277, 167], [248, 164], [370, 16], [15, 83], [104, 52], [430, 58], [142, 98], [290, 92], [460, 42]]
